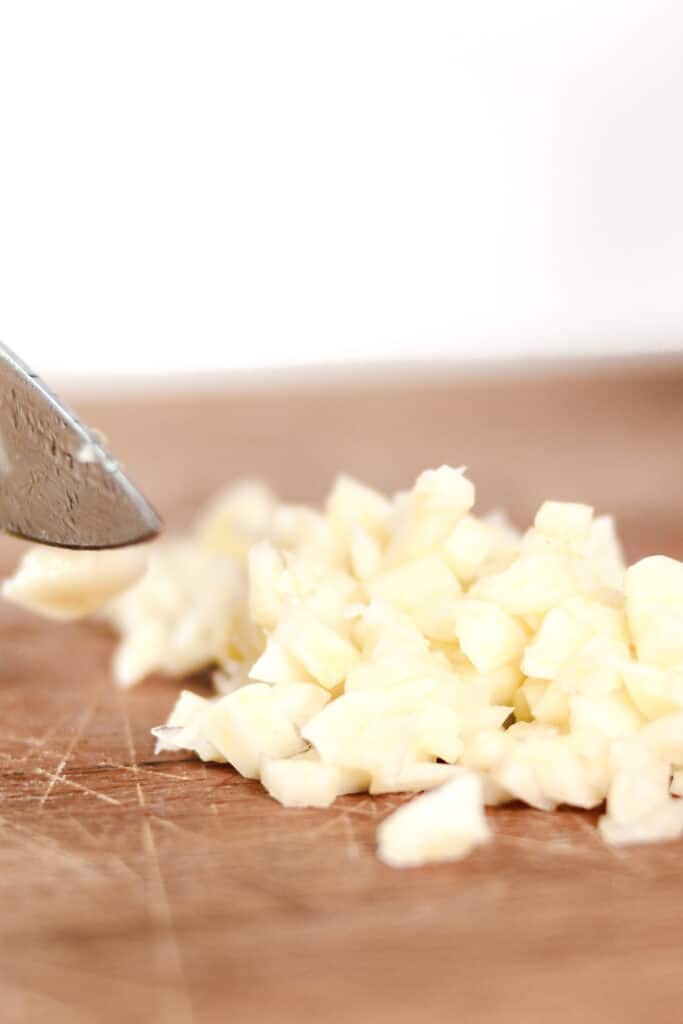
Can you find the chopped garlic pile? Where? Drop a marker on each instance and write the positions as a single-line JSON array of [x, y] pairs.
[[405, 645]]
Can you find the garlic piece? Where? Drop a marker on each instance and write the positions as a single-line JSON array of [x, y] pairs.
[[305, 781], [442, 825], [654, 606], [488, 636]]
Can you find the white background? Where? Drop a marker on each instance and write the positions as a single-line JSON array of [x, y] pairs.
[[192, 185]]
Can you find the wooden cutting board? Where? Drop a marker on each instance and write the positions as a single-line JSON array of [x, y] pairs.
[[143, 889]]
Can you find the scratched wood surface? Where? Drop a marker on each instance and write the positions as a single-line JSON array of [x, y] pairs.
[[137, 888]]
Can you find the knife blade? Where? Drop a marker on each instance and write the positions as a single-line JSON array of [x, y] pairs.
[[58, 484]]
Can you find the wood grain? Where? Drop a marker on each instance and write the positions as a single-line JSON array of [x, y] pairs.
[[137, 888]]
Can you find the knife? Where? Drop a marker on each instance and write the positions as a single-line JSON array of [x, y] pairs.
[[58, 484]]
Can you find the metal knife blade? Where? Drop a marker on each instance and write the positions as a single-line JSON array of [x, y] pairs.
[[58, 484]]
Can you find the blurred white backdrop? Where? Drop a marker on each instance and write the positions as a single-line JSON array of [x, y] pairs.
[[187, 186]]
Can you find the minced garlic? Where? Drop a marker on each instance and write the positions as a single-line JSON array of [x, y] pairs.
[[404, 645]]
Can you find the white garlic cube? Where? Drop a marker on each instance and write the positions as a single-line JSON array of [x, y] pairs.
[[438, 733], [300, 701], [250, 725], [445, 489], [566, 777], [564, 521], [596, 668], [516, 774], [442, 825], [337, 731], [325, 654], [654, 691], [386, 629], [276, 665], [184, 728], [545, 768], [552, 707], [305, 781], [488, 636], [639, 783], [187, 708], [559, 637], [374, 733], [325, 591], [425, 590], [426, 516], [654, 607], [468, 546], [533, 584]]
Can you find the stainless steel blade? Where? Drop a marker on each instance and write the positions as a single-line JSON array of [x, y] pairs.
[[58, 485]]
